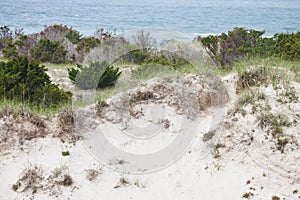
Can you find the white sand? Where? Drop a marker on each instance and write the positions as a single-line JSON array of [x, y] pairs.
[[195, 175]]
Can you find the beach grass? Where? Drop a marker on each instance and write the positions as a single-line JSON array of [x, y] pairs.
[[17, 106]]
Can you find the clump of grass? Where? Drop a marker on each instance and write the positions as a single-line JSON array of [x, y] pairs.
[[247, 195], [30, 179], [148, 71], [138, 184], [58, 66], [91, 174], [215, 150], [66, 123], [274, 121], [257, 71], [295, 191], [275, 198], [22, 114], [123, 181], [253, 77], [100, 106], [208, 136], [288, 95], [66, 120], [61, 177], [67, 180], [106, 93], [141, 96], [282, 142], [249, 96], [32, 108]]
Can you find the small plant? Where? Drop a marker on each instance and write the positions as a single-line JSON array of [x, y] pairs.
[[282, 142], [140, 96], [253, 77], [124, 181], [248, 195], [138, 184], [248, 97], [61, 177], [65, 153], [97, 75], [66, 120], [277, 131], [30, 179], [208, 136], [67, 181], [100, 105], [72, 72], [295, 191], [288, 95], [275, 198], [91, 174]]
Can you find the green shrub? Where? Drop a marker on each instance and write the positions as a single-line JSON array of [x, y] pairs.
[[47, 51], [287, 46], [5, 36], [10, 50], [240, 43], [86, 44], [26, 81], [96, 75], [234, 45], [73, 36], [72, 72], [164, 58], [136, 57], [167, 59]]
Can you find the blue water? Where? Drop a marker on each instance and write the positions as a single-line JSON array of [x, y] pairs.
[[187, 16]]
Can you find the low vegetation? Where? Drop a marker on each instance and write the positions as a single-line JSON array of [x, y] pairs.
[[73, 36], [97, 75], [27, 81], [47, 51], [242, 43]]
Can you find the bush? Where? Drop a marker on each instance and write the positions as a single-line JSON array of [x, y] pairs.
[[135, 57], [167, 59], [26, 81], [10, 50], [96, 75], [85, 45], [55, 33], [287, 46], [72, 72], [73, 36], [47, 51], [240, 43], [234, 45], [164, 58]]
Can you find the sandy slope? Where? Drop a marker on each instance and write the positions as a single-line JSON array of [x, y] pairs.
[[240, 158]]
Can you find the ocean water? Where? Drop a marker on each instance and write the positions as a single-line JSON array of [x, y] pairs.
[[186, 16]]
